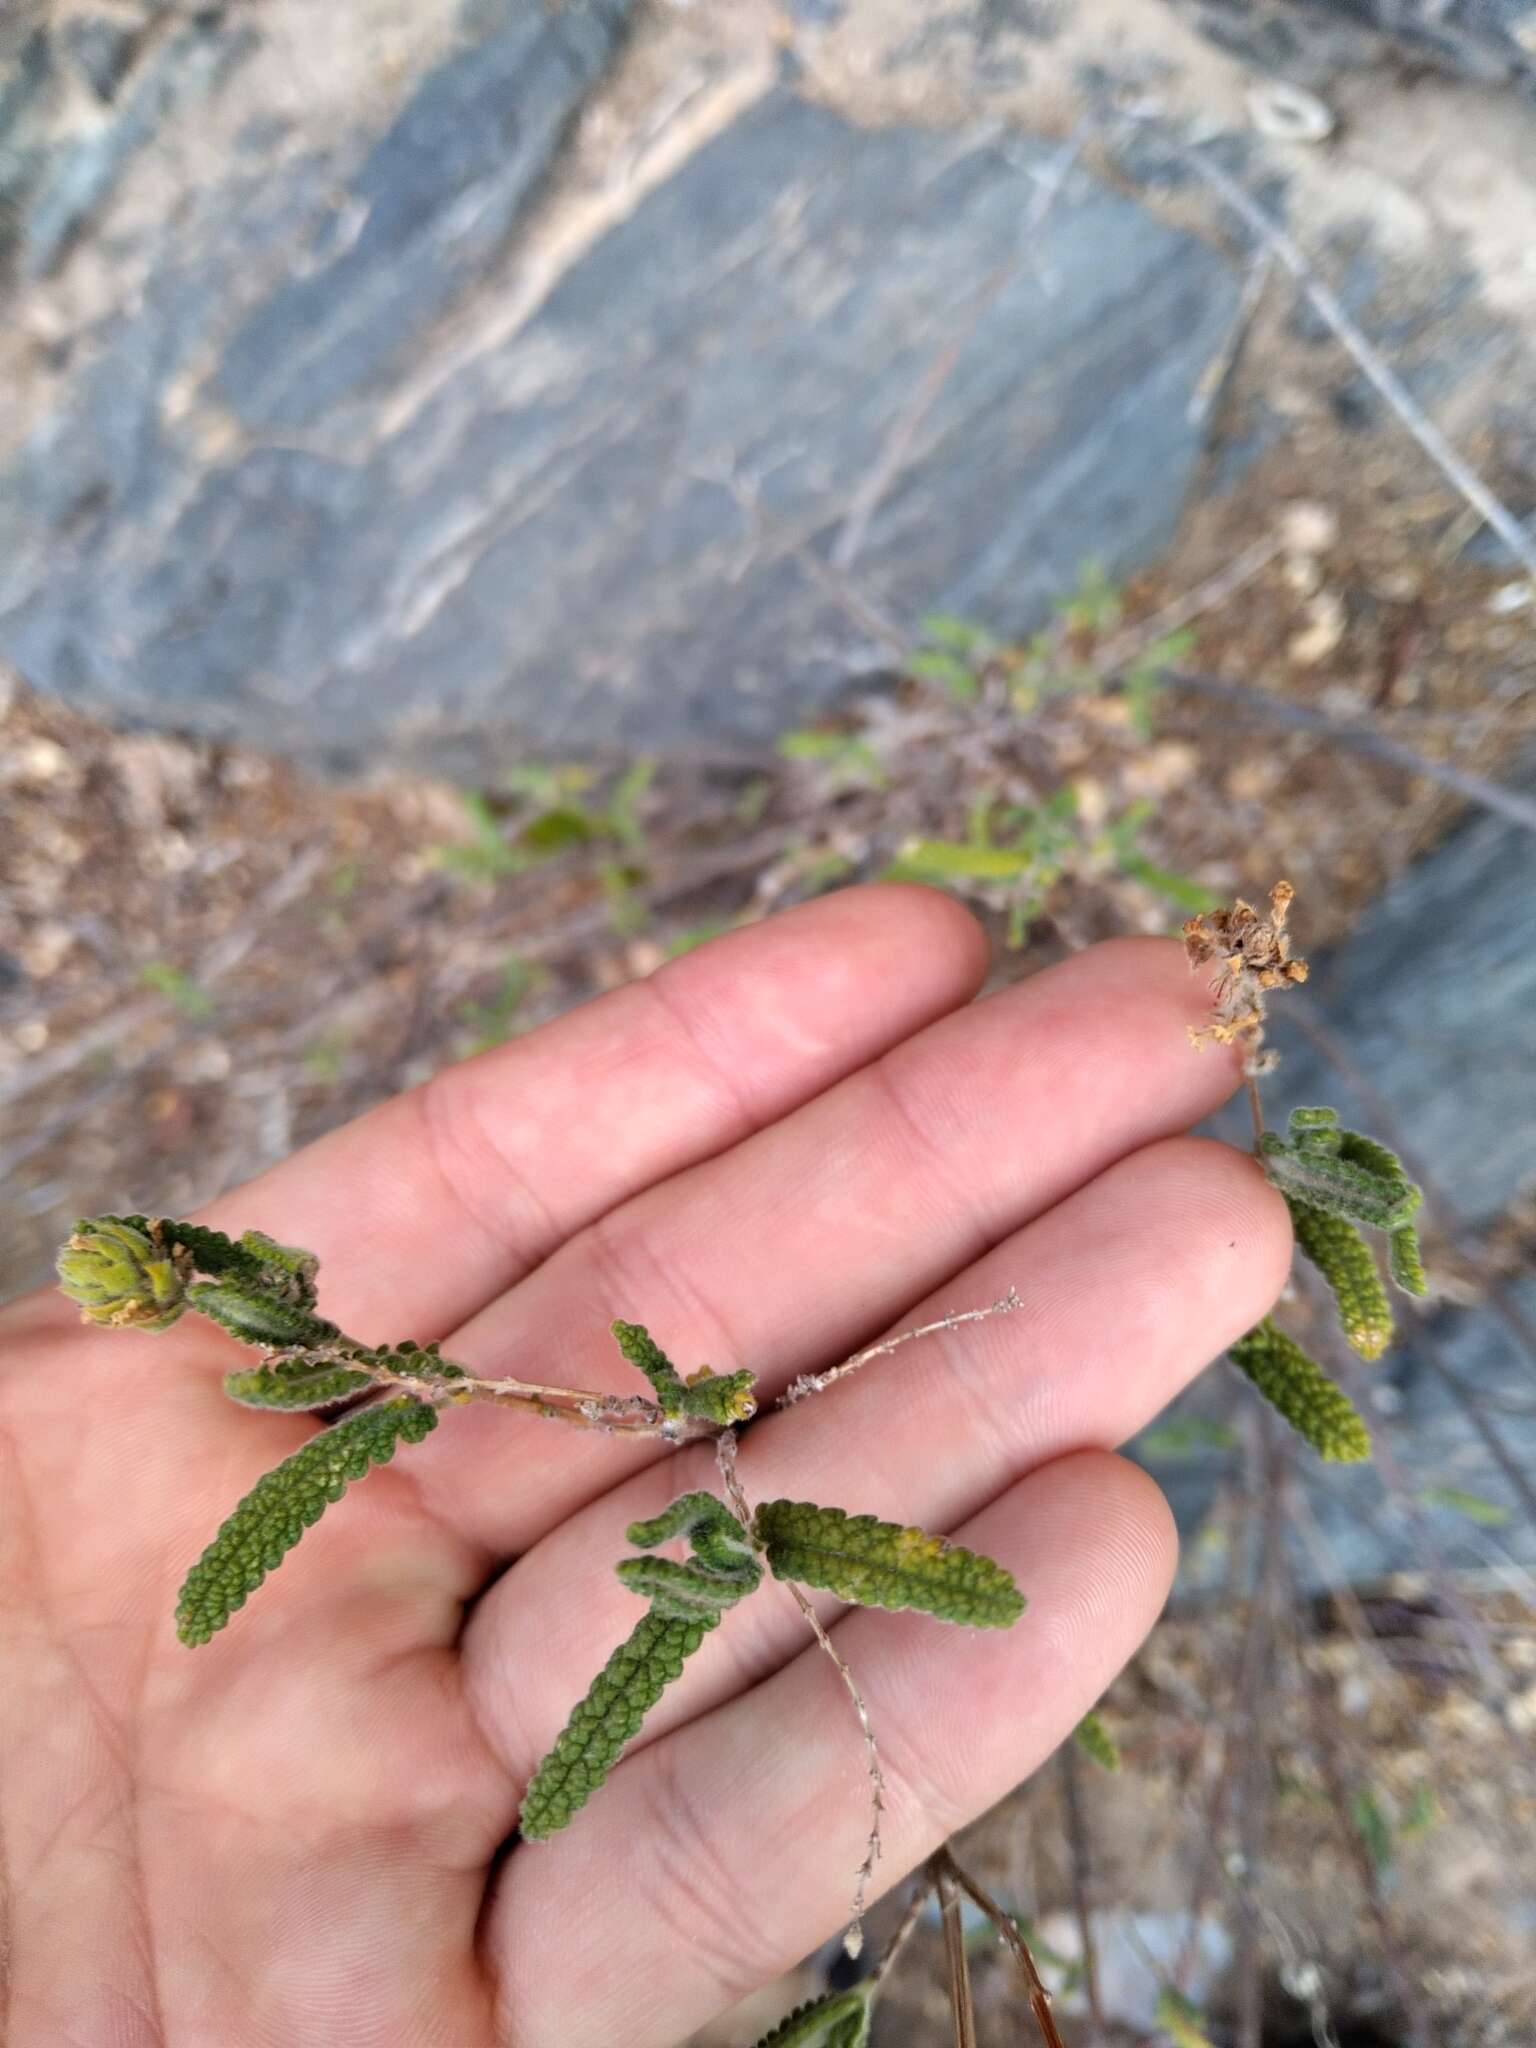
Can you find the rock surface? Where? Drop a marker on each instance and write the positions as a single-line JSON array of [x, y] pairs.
[[592, 529], [1313, 40]]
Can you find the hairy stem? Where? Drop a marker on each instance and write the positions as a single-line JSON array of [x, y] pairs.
[[818, 1382]]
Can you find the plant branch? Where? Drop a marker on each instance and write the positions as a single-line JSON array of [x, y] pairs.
[[818, 1382], [1364, 739], [957, 1961], [853, 1940], [1452, 466], [1013, 1939]]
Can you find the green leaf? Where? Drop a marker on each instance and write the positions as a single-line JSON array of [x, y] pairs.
[[1091, 1735], [1339, 1184], [934, 666], [952, 860], [554, 830], [1297, 1386], [882, 1564], [1405, 1261], [1348, 1264], [487, 854], [623, 814], [179, 989], [285, 1502], [1487, 1513], [1185, 1436], [647, 1356], [1178, 889], [840, 2020], [1372, 1826], [257, 1317], [295, 1385], [1181, 2020], [618, 1700], [851, 759], [944, 629], [687, 1601], [721, 1546]]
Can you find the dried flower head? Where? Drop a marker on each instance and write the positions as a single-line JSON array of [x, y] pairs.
[[1253, 958]]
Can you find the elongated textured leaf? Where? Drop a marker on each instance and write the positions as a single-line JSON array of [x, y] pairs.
[[647, 1356], [211, 1251], [1348, 1264], [294, 1386], [260, 1318], [687, 1601], [1375, 1157], [1405, 1261], [1296, 1385], [881, 1564], [838, 2021], [1339, 1185], [285, 1502], [618, 1700], [1095, 1739]]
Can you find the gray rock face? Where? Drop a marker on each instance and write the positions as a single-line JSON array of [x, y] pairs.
[[1313, 40], [553, 538]]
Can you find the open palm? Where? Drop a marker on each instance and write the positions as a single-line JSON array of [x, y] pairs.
[[771, 1151]]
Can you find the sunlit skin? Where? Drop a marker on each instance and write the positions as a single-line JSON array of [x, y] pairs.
[[774, 1150]]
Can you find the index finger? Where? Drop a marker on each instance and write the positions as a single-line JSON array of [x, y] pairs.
[[425, 1209]]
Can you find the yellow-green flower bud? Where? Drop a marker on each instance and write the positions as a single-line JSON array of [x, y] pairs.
[[124, 1276]]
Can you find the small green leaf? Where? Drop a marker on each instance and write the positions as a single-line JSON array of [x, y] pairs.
[[1297, 1386], [1092, 1736], [1181, 2020], [840, 2020], [1348, 1264], [1487, 1513], [285, 1502], [952, 860], [487, 854], [1178, 889], [1185, 1436], [882, 1564], [647, 1356], [623, 814], [555, 830], [933, 665], [944, 629], [1405, 1261], [295, 1385], [850, 759], [618, 1700], [1339, 1184], [1372, 1826], [179, 989], [258, 1317], [687, 1601]]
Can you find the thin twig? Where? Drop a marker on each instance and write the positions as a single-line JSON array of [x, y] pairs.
[[1378, 372], [818, 1382], [1082, 1884], [1126, 647], [957, 1961], [1363, 739], [906, 1926], [1211, 385], [853, 1940], [1013, 1939]]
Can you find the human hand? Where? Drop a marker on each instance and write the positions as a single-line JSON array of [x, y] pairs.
[[771, 1151]]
